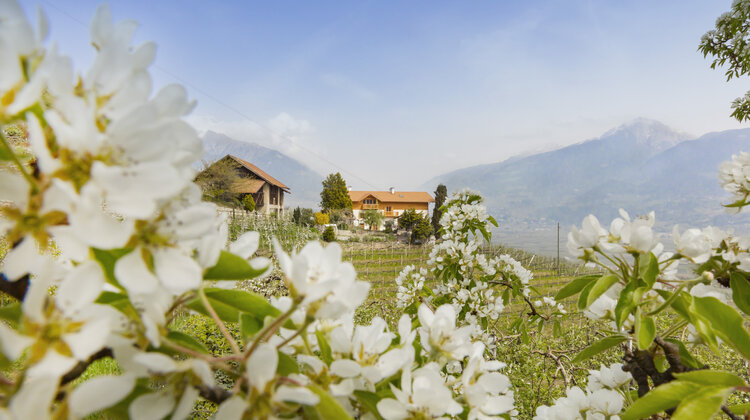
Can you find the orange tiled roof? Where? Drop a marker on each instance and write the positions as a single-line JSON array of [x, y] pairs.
[[247, 186], [257, 171], [396, 197]]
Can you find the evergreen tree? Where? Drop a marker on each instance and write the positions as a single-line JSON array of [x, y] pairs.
[[421, 230], [408, 219], [335, 195], [441, 193]]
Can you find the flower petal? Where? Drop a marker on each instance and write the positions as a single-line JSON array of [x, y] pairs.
[[99, 393]]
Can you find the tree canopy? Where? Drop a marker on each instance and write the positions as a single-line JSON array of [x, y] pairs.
[[729, 45], [335, 195], [441, 193], [372, 217], [216, 182], [408, 219]]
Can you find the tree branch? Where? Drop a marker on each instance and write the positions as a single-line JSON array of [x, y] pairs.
[[82, 366], [213, 393], [17, 288], [729, 413]]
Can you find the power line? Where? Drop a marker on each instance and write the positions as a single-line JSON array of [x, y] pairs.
[[231, 108]]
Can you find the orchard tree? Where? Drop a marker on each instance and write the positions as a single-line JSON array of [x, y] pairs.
[[335, 195], [441, 193], [373, 218]]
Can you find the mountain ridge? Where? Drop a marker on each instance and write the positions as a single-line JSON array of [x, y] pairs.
[[640, 165]]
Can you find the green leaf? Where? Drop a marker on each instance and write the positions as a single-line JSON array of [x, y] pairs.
[[232, 267], [249, 326], [107, 259], [370, 401], [649, 269], [325, 348], [646, 332], [703, 404], [601, 286], [740, 291], [599, 346], [626, 303], [4, 362], [659, 399], [328, 407], [583, 297], [574, 287], [310, 413], [725, 321], [186, 340], [228, 304], [120, 302], [5, 152], [681, 303], [287, 365], [711, 377], [11, 312]]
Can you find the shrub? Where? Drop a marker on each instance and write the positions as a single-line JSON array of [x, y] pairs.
[[329, 235], [321, 218], [248, 202], [389, 226]]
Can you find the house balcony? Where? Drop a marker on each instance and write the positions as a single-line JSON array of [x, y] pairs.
[[388, 214], [369, 206]]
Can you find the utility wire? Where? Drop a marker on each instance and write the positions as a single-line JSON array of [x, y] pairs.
[[231, 108]]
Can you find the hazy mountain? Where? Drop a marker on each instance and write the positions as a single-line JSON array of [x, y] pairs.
[[640, 166], [304, 183]]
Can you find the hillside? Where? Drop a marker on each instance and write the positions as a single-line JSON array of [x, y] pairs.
[[305, 184], [640, 166]]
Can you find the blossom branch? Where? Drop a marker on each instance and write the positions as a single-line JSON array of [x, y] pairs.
[[198, 355], [219, 322], [270, 329], [560, 366]]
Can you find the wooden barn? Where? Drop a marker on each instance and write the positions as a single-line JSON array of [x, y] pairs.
[[267, 191]]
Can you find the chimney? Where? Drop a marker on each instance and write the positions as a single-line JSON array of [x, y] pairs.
[[393, 190]]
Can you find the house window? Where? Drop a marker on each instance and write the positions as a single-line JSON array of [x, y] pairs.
[[388, 208]]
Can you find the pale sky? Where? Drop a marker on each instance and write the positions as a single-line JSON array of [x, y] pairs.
[[393, 93]]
